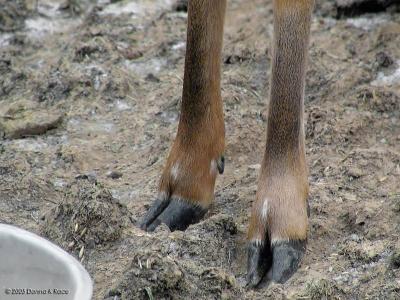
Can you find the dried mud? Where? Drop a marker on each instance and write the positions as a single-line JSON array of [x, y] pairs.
[[109, 75]]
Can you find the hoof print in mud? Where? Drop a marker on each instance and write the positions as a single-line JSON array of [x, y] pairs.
[[177, 214]]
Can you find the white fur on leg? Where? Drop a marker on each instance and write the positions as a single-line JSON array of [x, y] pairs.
[[213, 167], [175, 171], [264, 210]]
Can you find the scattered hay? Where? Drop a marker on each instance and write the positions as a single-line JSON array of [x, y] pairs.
[[321, 289]]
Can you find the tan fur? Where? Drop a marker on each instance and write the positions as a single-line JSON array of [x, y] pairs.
[[283, 179], [201, 132]]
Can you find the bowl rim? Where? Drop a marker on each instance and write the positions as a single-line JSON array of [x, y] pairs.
[[81, 278]]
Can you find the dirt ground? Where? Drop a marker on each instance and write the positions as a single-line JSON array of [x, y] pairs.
[[90, 94]]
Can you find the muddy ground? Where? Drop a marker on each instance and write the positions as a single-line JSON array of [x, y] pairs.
[[90, 94]]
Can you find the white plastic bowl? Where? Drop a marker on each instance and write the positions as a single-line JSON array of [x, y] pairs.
[[31, 267]]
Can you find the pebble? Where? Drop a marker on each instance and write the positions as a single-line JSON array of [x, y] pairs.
[[114, 174]]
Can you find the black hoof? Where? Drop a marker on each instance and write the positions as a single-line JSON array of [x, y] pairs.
[[177, 214], [154, 211], [282, 259], [221, 164], [259, 261], [286, 259]]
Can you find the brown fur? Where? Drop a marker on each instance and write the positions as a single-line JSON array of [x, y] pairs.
[[200, 139], [283, 179], [201, 132]]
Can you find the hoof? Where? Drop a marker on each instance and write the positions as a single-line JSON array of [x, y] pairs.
[[259, 261], [281, 258], [177, 214], [286, 259]]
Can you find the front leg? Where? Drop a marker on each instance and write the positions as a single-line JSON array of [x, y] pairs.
[[187, 184], [278, 227]]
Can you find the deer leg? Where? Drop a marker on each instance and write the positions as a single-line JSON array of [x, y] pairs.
[[186, 187], [278, 225]]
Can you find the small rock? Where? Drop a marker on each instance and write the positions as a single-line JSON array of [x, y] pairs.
[[255, 167], [91, 177], [153, 78], [131, 54], [383, 59], [114, 174], [152, 161], [25, 118], [355, 237], [355, 172]]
